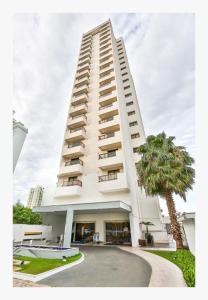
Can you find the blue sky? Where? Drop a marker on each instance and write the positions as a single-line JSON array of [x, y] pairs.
[[160, 49]]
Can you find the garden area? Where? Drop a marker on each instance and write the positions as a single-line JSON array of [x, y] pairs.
[[184, 260], [36, 266]]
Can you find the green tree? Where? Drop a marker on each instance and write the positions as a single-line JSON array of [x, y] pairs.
[[165, 169], [25, 215]]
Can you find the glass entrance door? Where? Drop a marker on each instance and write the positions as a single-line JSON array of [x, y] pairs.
[[118, 233], [84, 232]]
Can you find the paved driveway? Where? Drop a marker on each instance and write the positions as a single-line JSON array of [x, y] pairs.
[[104, 267]]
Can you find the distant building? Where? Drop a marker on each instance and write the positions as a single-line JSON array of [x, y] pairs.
[[35, 196], [19, 135]]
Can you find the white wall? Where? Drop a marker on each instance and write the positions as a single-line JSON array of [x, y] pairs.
[[189, 228], [20, 229]]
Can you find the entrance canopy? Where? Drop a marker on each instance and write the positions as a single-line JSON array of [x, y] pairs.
[[117, 206]]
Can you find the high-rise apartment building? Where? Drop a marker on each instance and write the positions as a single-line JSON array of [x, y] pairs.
[[97, 189], [35, 196]]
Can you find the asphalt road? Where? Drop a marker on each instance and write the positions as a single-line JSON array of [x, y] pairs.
[[104, 267]]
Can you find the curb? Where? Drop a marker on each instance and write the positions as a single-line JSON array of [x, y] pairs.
[[38, 277], [164, 272]]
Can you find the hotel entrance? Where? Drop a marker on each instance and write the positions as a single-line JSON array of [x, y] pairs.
[[118, 233], [84, 232]]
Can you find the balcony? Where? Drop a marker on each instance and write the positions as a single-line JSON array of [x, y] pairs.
[[109, 160], [85, 43], [105, 41], [86, 61], [110, 124], [76, 134], [113, 183], [73, 150], [105, 57], [80, 90], [107, 88], [84, 53], [84, 73], [77, 121], [71, 168], [106, 65], [107, 31], [85, 67], [81, 81], [109, 141], [109, 110], [79, 99], [78, 110], [106, 76], [68, 189], [106, 47], [105, 53], [103, 37], [85, 48], [82, 58]]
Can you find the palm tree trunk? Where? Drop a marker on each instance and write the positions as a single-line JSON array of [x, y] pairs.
[[175, 227]]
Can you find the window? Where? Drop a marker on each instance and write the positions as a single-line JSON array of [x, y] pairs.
[[125, 80], [135, 135], [129, 103], [135, 150], [128, 95], [120, 53], [123, 68], [120, 58], [133, 123], [124, 74], [130, 113], [126, 87], [119, 49], [123, 62]]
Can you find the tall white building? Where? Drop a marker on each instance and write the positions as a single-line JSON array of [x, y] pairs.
[[19, 135], [35, 196], [97, 189]]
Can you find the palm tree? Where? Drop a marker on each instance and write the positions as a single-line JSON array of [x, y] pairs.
[[147, 224], [165, 169]]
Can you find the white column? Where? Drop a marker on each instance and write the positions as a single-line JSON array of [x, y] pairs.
[[68, 228], [135, 230]]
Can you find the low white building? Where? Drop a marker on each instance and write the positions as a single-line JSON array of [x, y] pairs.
[[19, 135], [187, 221]]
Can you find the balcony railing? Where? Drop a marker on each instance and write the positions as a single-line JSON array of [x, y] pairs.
[[108, 177], [108, 154], [76, 145], [106, 120], [79, 116], [71, 182], [74, 162], [103, 107], [106, 136], [77, 129]]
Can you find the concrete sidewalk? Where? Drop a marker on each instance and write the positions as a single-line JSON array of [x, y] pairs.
[[164, 273]]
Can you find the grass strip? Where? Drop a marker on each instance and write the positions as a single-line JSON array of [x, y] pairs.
[[40, 265], [184, 260]]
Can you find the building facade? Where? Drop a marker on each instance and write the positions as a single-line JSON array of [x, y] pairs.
[[19, 135], [97, 189], [35, 197]]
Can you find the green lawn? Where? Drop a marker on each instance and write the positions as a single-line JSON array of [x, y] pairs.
[[39, 265], [184, 260]]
